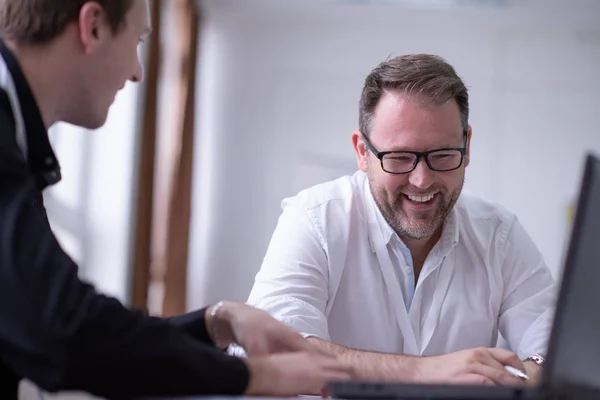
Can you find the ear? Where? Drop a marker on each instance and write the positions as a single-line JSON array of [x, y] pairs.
[[93, 26], [468, 155], [360, 149]]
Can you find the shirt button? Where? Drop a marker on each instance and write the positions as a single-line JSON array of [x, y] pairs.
[[49, 161], [408, 269]]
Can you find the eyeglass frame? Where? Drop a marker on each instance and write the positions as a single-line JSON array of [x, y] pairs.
[[419, 154]]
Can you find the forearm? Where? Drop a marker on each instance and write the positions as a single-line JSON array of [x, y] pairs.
[[373, 365], [58, 332], [205, 327], [194, 324]]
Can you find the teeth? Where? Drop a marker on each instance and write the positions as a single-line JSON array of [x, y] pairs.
[[421, 199]]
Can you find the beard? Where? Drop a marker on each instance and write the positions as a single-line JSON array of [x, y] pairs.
[[414, 225]]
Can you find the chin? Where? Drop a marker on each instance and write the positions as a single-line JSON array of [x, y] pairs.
[[96, 124], [89, 121], [419, 232]]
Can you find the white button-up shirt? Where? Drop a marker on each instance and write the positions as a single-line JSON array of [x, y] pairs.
[[336, 270]]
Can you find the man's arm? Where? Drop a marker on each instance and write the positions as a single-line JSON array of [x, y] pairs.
[[58, 332], [480, 366], [527, 310], [373, 365], [293, 281], [195, 323]]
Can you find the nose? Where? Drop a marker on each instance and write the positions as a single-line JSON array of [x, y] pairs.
[[138, 74], [421, 177]]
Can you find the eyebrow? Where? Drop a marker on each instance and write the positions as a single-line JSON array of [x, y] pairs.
[[399, 150]]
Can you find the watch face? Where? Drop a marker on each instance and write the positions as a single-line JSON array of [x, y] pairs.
[[539, 360]]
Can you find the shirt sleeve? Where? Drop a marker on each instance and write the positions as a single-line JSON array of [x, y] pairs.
[[194, 324], [292, 284], [58, 332], [529, 296]]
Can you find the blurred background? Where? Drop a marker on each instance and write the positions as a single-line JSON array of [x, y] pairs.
[[171, 205]]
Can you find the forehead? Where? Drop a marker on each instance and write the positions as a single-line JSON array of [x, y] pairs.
[[139, 15], [403, 121]]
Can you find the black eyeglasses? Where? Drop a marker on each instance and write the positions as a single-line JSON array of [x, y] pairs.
[[403, 162]]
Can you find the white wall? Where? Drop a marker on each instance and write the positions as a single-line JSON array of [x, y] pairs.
[[278, 99]]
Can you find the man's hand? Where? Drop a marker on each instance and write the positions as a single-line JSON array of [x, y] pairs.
[[281, 362], [481, 366], [255, 330], [292, 374]]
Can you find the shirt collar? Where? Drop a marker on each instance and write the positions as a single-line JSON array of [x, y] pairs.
[[40, 157], [450, 230]]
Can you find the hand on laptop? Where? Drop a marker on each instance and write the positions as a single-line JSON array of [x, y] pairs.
[[480, 366]]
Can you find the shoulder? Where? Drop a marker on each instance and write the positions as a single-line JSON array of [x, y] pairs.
[[341, 193], [482, 218], [475, 207]]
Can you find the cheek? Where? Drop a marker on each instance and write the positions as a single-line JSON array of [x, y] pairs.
[[452, 181], [392, 185], [125, 61]]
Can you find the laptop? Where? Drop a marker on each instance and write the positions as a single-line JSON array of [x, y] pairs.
[[572, 367]]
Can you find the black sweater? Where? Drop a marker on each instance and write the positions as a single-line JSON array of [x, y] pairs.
[[56, 330]]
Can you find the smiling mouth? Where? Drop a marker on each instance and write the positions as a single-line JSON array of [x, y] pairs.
[[421, 199]]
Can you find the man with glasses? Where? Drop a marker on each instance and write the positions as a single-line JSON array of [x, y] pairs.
[[396, 270]]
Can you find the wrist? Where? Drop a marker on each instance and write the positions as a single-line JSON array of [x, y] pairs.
[[415, 368], [533, 370]]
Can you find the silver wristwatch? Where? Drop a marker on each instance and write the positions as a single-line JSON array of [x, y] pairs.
[[537, 358]]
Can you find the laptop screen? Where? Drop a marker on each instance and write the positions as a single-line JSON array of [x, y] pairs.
[[574, 348]]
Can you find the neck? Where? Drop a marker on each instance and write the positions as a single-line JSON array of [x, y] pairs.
[[420, 248], [422, 245], [41, 68]]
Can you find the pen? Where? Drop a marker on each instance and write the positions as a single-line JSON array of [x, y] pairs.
[[516, 372]]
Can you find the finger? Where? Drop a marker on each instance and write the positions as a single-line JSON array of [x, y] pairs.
[[500, 366], [499, 376], [339, 366], [489, 359], [473, 379], [506, 357], [338, 376]]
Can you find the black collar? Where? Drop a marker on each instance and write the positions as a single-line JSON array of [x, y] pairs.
[[40, 157]]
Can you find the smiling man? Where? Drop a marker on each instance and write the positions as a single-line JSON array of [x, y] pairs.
[[394, 268]]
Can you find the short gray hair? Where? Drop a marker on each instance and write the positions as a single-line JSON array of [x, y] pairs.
[[425, 76]]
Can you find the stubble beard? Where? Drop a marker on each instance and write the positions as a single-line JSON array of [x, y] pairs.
[[420, 225]]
